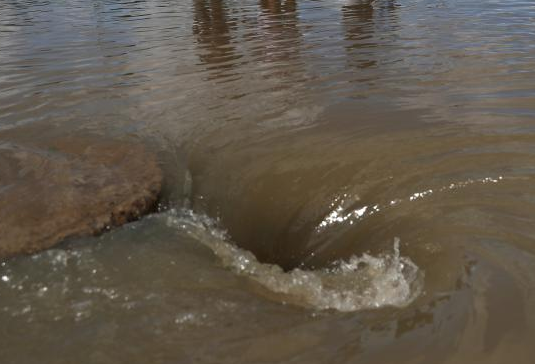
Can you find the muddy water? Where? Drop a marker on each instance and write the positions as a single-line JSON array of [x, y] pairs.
[[346, 181]]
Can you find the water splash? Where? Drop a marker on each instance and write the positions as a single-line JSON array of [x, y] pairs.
[[359, 283]]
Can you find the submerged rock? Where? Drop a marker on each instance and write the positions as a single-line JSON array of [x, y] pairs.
[[72, 187]]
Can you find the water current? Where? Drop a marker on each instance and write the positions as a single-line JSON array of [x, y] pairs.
[[346, 181]]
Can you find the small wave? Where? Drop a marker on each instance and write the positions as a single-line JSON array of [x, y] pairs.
[[340, 214], [358, 283]]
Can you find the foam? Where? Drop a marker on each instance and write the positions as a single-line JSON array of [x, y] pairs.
[[359, 283]]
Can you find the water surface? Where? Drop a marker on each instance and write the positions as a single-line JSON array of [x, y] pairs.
[[346, 181]]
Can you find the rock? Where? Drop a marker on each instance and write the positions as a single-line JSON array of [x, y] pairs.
[[72, 187]]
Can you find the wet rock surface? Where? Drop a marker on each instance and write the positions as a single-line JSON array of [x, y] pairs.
[[71, 187]]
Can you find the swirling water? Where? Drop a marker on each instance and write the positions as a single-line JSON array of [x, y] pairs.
[[300, 140]]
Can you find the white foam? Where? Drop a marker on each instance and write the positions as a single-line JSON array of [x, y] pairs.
[[356, 284]]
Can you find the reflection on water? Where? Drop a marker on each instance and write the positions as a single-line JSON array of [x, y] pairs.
[[358, 21], [311, 132], [278, 29], [212, 27]]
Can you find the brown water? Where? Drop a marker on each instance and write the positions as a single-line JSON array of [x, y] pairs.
[[312, 134]]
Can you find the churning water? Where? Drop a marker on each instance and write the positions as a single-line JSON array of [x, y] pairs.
[[356, 284], [346, 181]]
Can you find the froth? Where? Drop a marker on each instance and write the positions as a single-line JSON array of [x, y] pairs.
[[358, 283]]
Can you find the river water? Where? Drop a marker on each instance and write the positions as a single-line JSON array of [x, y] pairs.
[[347, 181]]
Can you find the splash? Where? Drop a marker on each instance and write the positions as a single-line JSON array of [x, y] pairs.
[[359, 283]]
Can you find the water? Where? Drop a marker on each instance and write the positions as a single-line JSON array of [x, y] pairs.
[[346, 181], [358, 284]]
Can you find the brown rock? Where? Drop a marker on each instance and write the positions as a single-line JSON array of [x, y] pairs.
[[73, 187]]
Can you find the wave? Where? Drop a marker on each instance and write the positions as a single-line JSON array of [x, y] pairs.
[[359, 283], [340, 212]]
